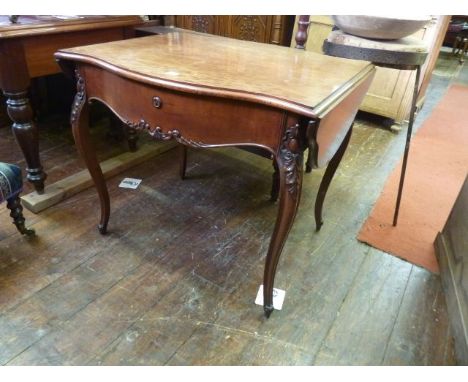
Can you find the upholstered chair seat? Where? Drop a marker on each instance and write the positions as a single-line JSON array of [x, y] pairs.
[[11, 185]]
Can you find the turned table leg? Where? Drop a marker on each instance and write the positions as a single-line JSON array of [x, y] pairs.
[[290, 168], [14, 81], [26, 134], [80, 128]]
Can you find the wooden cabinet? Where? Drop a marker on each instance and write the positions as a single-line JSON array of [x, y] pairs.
[[267, 29], [451, 249], [391, 91]]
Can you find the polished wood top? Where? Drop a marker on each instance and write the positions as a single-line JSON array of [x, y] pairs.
[[293, 79], [35, 25]]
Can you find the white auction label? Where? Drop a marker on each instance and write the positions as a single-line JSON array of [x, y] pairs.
[[130, 183], [278, 297]]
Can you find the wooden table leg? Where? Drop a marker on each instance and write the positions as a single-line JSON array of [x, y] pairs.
[[80, 127], [25, 131], [119, 130], [290, 166], [14, 81], [327, 178]]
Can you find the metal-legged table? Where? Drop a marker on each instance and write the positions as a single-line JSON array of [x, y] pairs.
[[403, 54]]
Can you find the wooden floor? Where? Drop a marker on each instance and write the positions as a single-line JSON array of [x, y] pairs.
[[174, 281]]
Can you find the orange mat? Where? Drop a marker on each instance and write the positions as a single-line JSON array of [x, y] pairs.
[[437, 167]]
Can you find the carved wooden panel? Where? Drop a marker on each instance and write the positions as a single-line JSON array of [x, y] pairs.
[[251, 28], [198, 23], [266, 29]]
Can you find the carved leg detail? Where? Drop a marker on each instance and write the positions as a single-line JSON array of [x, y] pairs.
[[80, 128], [275, 183], [183, 161], [327, 178], [26, 134], [290, 166], [14, 205]]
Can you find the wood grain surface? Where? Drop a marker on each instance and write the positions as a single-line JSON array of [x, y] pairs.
[[40, 25], [214, 65]]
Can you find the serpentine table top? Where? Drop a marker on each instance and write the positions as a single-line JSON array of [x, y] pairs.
[[200, 63]]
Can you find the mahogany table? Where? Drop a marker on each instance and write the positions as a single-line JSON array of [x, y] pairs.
[[27, 50], [210, 91]]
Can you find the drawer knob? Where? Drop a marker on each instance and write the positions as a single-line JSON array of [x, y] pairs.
[[157, 103]]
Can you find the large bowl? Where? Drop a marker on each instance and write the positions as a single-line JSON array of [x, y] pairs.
[[378, 27]]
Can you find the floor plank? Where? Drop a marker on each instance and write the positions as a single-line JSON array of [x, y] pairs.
[[416, 338], [366, 319]]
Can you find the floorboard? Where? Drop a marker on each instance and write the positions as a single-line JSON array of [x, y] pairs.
[[415, 338], [366, 318]]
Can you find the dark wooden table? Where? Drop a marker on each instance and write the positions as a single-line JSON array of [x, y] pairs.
[[27, 50], [210, 91]]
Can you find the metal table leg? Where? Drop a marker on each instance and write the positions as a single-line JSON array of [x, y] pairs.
[[407, 146]]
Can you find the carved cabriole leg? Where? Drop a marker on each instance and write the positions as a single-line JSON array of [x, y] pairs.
[[183, 161], [290, 167], [327, 178], [80, 127], [26, 134], [14, 205]]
